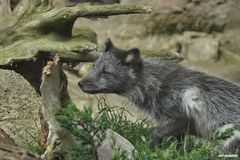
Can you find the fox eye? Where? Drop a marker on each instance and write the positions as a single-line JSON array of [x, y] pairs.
[[104, 71]]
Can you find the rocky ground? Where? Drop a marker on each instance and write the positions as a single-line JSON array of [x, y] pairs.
[[19, 109]]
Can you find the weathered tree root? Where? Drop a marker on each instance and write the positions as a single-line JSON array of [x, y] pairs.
[[54, 97], [45, 28]]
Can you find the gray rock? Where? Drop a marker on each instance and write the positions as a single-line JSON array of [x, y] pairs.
[[19, 106], [197, 46], [5, 138], [106, 151]]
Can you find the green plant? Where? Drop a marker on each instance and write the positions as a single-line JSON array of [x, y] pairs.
[[84, 127], [91, 130]]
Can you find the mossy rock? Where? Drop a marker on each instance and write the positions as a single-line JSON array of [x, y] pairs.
[[19, 109]]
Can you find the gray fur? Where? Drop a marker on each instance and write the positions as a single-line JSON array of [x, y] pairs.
[[180, 99]]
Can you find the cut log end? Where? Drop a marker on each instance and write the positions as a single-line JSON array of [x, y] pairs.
[[54, 96], [47, 68]]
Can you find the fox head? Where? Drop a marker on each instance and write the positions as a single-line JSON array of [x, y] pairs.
[[115, 71]]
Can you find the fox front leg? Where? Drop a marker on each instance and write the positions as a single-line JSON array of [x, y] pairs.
[[176, 127]]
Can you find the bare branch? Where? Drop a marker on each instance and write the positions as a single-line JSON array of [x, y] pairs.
[[163, 54], [5, 14], [87, 10], [20, 8], [66, 49], [5, 8]]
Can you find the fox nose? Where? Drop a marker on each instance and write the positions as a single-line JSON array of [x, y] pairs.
[[80, 84]]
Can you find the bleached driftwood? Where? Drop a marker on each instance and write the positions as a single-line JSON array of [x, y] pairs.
[[54, 97]]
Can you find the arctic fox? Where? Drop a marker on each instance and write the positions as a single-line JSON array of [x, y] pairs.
[[180, 99]]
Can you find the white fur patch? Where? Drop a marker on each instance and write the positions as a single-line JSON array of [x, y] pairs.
[[129, 58], [231, 142], [225, 127], [132, 74], [191, 100]]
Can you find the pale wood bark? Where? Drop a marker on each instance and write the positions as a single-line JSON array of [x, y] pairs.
[[54, 97], [44, 28]]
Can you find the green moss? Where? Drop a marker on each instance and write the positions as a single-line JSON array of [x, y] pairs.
[[85, 33]]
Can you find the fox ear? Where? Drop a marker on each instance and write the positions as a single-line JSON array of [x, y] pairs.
[[133, 56], [108, 45]]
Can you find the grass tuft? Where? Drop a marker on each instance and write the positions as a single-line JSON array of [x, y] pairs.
[[91, 130]]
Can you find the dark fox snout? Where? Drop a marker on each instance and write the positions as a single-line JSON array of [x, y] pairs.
[[81, 84], [86, 86]]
